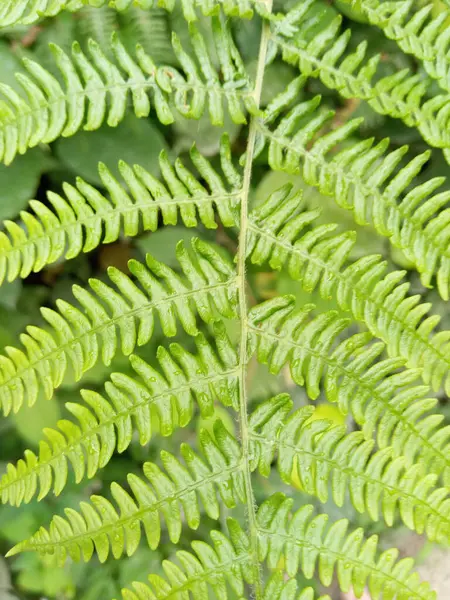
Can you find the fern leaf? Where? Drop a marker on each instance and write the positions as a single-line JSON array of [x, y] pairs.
[[25, 12], [399, 95], [320, 450], [381, 399], [107, 422], [99, 24], [105, 528], [324, 453], [301, 542], [205, 573], [86, 218], [396, 467], [277, 588], [80, 336], [304, 543], [317, 259], [52, 110], [150, 29], [423, 35], [366, 179]]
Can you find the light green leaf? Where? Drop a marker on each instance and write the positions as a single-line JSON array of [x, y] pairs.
[[273, 181], [367, 241], [9, 65], [135, 141], [162, 243], [352, 10], [276, 77], [205, 135], [30, 421], [19, 181]]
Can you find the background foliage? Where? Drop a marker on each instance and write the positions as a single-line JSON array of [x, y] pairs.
[[140, 141]]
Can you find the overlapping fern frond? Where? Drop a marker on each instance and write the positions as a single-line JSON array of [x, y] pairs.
[[401, 95], [320, 453], [124, 311], [107, 423], [318, 259], [420, 33], [86, 218], [299, 539], [97, 90], [277, 588], [379, 396], [305, 541], [150, 29], [25, 12], [377, 185]]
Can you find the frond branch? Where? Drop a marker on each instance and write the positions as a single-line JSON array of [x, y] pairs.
[[102, 527], [369, 185], [399, 95], [321, 453], [81, 337], [107, 422], [318, 259], [421, 35], [381, 399], [304, 544], [48, 110], [85, 218]]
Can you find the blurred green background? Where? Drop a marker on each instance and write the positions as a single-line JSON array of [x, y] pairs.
[[140, 141]]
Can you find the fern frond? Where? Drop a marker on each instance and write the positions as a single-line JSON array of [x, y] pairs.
[[419, 33], [105, 528], [209, 573], [304, 543], [277, 588], [379, 396], [317, 259], [399, 95], [26, 12], [51, 110], [366, 179], [99, 24], [86, 218], [320, 450], [396, 467], [107, 422], [150, 29], [81, 336], [324, 453]]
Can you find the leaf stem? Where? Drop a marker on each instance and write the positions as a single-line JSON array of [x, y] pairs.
[[241, 277]]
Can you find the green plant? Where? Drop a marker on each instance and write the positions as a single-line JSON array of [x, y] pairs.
[[396, 465]]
